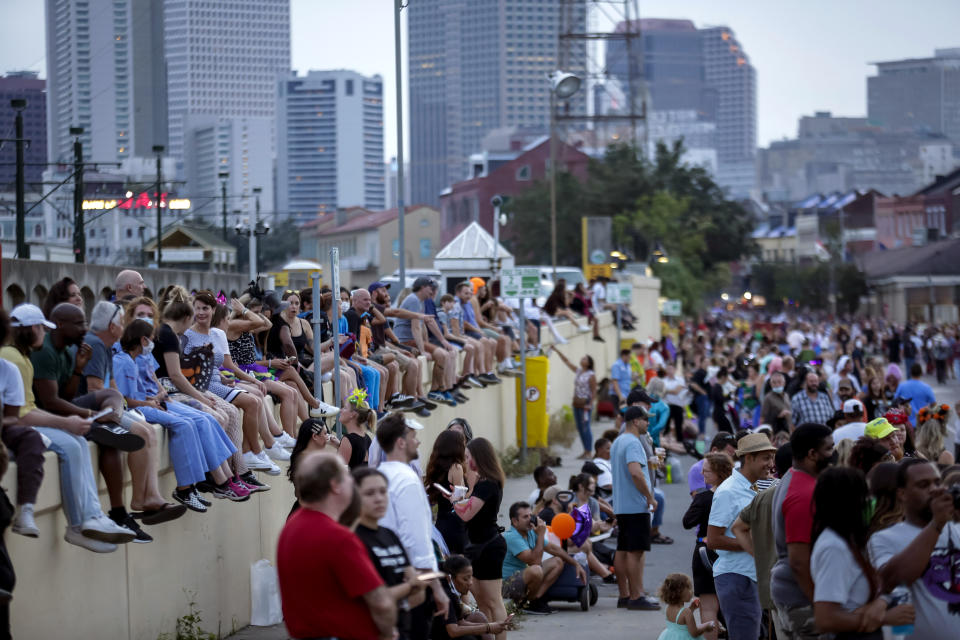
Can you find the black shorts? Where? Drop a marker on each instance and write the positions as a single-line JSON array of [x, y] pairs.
[[634, 532], [487, 560]]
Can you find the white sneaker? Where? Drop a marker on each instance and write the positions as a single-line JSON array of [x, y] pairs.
[[561, 340], [286, 441], [583, 328], [272, 469], [254, 461], [104, 529], [324, 410], [24, 524], [73, 536], [277, 452]]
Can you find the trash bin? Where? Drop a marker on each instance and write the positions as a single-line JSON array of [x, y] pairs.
[[536, 398]]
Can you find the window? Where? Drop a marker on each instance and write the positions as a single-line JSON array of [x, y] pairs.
[[129, 233], [425, 249], [349, 87], [523, 173]]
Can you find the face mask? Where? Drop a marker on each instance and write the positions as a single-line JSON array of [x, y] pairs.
[[147, 319], [777, 389], [859, 344], [149, 347], [344, 307]]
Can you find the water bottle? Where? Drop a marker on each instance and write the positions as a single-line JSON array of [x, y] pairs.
[[900, 595]]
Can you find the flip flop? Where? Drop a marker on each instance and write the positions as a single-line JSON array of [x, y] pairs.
[[661, 539], [166, 513]]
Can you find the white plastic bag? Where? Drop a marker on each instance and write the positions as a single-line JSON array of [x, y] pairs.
[[265, 607]]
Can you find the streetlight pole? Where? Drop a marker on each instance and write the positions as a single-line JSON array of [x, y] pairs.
[[23, 249], [159, 149], [253, 235], [553, 182], [223, 175], [79, 233], [397, 6]]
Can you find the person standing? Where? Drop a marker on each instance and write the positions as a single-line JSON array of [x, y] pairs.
[[328, 586], [584, 393], [734, 572], [810, 404], [633, 501]]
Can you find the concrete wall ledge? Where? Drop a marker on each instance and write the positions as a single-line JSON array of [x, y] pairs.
[[139, 591]]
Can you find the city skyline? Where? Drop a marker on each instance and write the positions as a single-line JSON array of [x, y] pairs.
[[789, 83]]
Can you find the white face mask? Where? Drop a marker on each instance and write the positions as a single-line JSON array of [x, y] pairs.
[[344, 307], [777, 389], [147, 319], [149, 347]]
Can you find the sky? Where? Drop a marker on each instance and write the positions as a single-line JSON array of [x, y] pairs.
[[810, 56]]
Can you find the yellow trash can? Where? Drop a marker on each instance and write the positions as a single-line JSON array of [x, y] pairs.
[[536, 398]]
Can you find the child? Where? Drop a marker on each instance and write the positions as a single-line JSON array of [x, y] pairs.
[[676, 590]]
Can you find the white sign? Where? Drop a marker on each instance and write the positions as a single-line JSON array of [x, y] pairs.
[[520, 283], [619, 293], [335, 272], [671, 308]]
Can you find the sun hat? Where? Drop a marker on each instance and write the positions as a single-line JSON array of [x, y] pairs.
[[879, 428], [754, 443]]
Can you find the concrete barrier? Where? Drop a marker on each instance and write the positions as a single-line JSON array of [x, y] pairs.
[[139, 592]]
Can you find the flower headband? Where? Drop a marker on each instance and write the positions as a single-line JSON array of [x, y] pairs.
[[938, 412], [896, 415], [358, 399]]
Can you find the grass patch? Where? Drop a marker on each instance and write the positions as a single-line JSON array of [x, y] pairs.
[[513, 467], [563, 429]]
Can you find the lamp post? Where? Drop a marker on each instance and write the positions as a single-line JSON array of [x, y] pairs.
[[397, 6], [223, 175], [159, 149], [252, 230], [562, 86], [497, 202], [79, 233], [23, 250]]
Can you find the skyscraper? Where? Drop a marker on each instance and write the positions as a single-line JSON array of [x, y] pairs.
[[223, 63], [24, 85], [920, 94], [101, 78], [329, 143], [475, 67]]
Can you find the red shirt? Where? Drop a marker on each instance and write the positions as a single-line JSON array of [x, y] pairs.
[[798, 507], [324, 572]]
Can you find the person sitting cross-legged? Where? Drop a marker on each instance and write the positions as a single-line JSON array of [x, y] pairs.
[[527, 575]]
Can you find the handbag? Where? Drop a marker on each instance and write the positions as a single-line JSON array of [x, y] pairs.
[[580, 403], [197, 366]]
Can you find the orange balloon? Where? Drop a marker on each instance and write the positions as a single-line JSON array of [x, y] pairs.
[[563, 525]]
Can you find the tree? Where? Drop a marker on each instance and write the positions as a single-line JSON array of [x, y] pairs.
[[528, 236]]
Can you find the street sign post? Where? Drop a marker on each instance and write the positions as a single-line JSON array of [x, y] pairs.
[[619, 293], [335, 325], [521, 283], [671, 308]]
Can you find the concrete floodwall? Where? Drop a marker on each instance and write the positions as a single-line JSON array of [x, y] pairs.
[[139, 591]]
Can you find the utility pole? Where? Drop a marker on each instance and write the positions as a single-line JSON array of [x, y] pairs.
[[79, 233], [397, 6], [223, 196], [23, 249], [159, 149]]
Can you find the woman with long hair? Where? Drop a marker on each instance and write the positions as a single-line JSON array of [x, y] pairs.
[[887, 510], [487, 548], [556, 305], [584, 395], [868, 453], [459, 621], [931, 434], [846, 592], [717, 467], [358, 421], [63, 290], [445, 468], [313, 436], [873, 397]]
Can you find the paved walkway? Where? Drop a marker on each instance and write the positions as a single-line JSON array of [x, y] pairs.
[[662, 560]]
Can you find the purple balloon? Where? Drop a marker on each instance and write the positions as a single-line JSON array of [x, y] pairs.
[[584, 524]]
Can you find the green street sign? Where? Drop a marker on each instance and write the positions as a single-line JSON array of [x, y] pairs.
[[619, 293], [520, 283], [671, 308]]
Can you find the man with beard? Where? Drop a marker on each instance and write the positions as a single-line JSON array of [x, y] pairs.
[[409, 514], [810, 404], [776, 410], [791, 585], [845, 393], [923, 552]]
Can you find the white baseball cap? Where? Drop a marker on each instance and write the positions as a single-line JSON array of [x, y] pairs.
[[852, 406], [413, 424], [28, 315]]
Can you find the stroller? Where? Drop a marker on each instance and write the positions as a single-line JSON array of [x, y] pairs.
[[568, 587]]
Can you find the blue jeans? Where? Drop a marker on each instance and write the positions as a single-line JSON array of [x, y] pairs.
[[661, 507], [907, 363], [185, 452], [215, 446], [78, 489], [701, 404], [582, 418], [740, 604], [371, 378]]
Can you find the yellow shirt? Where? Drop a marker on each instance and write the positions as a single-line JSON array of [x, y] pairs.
[[26, 372]]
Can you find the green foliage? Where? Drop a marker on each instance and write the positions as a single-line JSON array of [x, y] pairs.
[[513, 467], [809, 284], [661, 201], [562, 429], [188, 625]]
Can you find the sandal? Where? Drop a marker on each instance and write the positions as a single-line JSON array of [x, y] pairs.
[[661, 539], [166, 513]]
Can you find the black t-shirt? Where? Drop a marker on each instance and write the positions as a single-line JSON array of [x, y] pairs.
[[699, 377], [353, 321], [453, 614], [379, 331], [167, 342], [483, 526], [386, 553]]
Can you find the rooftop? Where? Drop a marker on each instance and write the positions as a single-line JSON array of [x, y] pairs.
[[934, 259]]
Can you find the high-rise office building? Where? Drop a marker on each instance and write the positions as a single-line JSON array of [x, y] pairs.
[[729, 74], [329, 143], [475, 67], [103, 79], [921, 94], [223, 62], [24, 85]]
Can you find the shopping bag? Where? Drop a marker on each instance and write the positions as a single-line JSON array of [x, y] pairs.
[[265, 607]]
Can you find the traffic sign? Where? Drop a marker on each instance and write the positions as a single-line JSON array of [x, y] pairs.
[[598, 256], [671, 308], [619, 293], [522, 282]]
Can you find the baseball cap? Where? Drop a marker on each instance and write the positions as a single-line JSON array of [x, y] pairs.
[[640, 395], [634, 413], [421, 282], [879, 428], [852, 406], [550, 493], [378, 285], [413, 424], [754, 443], [28, 315]]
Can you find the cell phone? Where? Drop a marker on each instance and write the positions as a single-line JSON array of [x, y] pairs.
[[292, 359], [533, 521], [101, 414], [430, 575], [442, 489]]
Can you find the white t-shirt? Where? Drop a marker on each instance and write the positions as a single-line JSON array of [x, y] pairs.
[[851, 431], [408, 514], [599, 293], [836, 575], [11, 385], [219, 339], [605, 479], [938, 588], [677, 393]]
